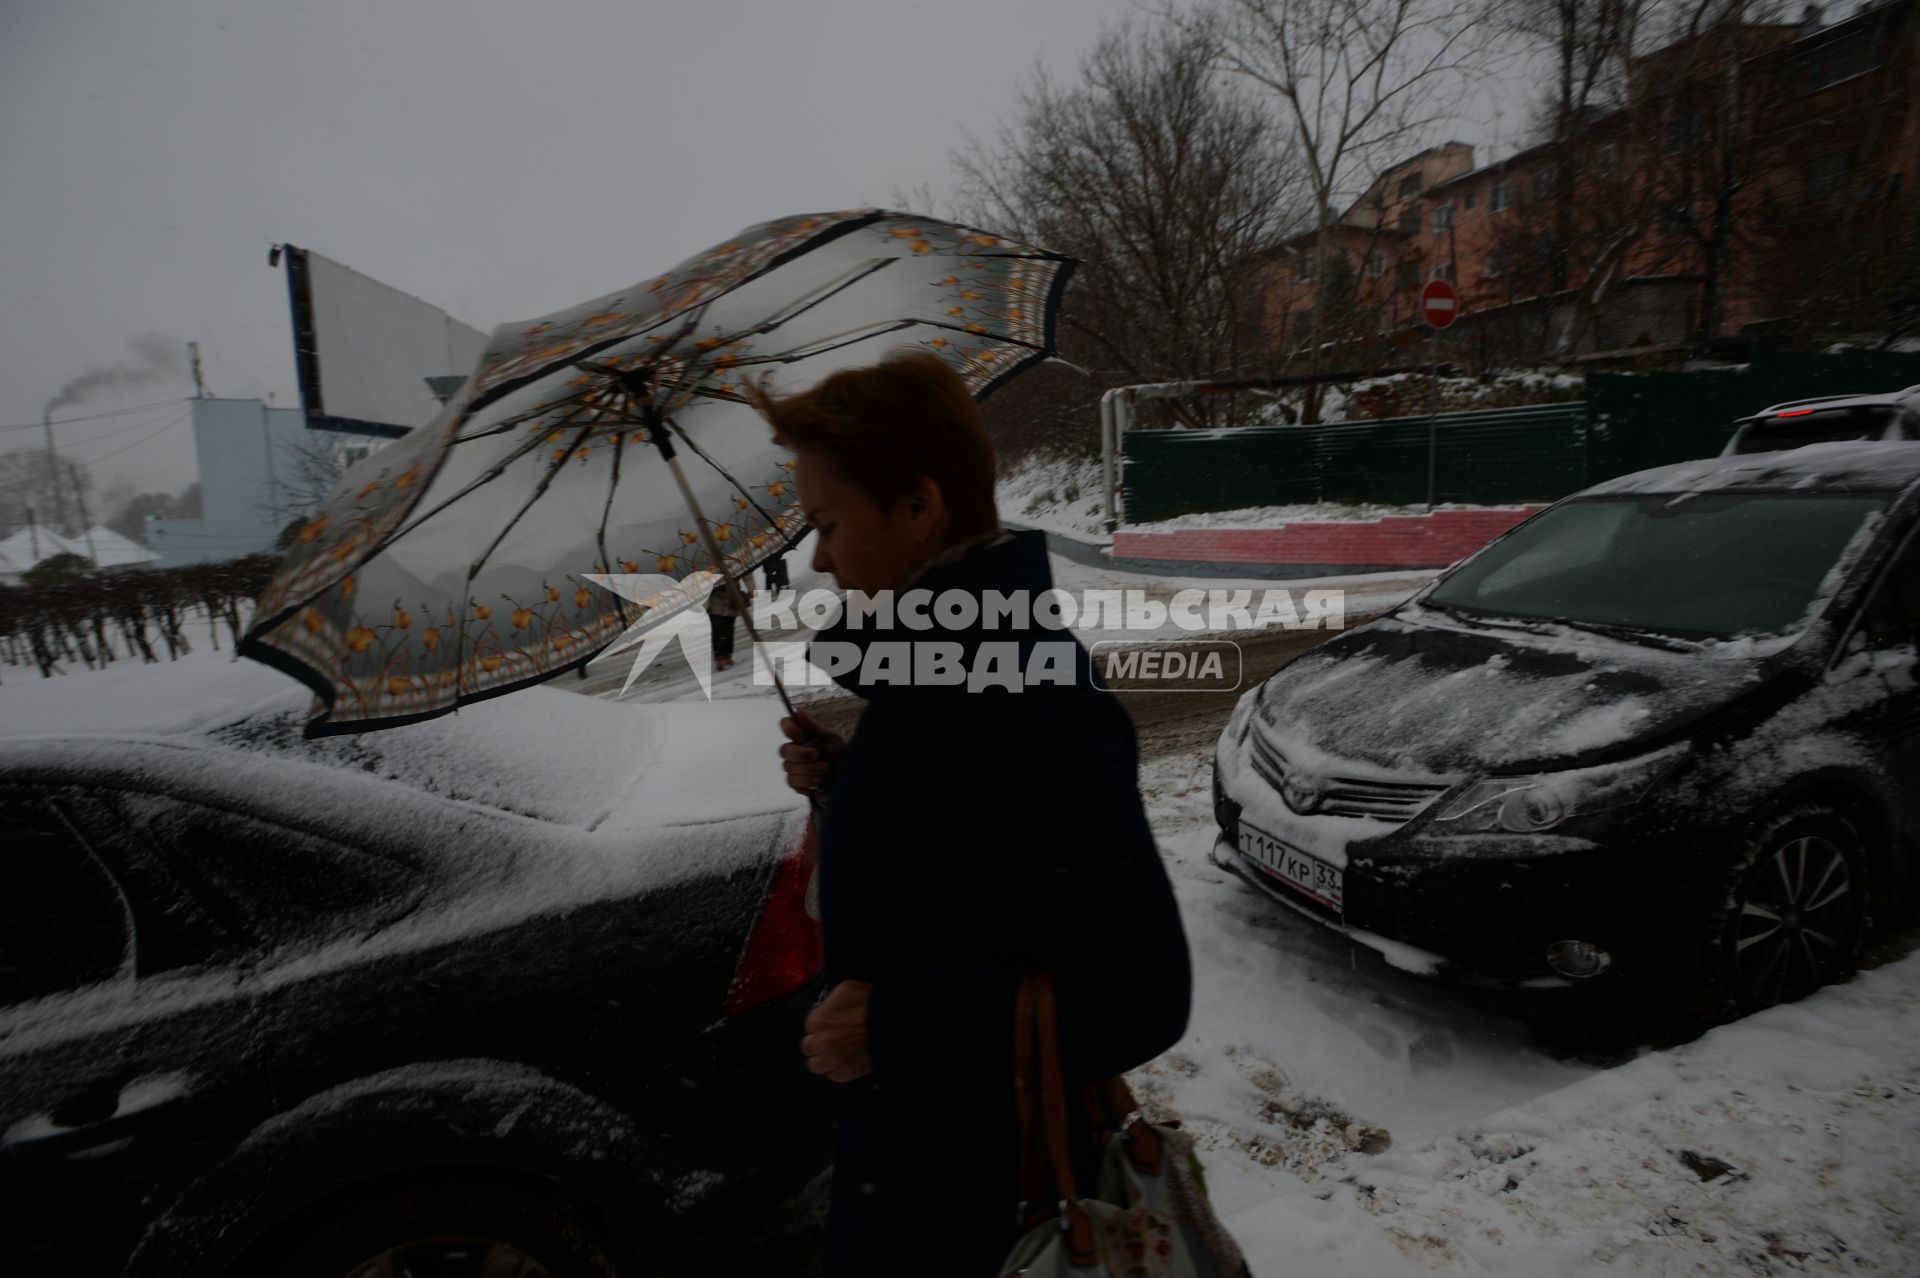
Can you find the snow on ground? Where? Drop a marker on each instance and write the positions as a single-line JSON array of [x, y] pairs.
[[1059, 494], [1359, 1121]]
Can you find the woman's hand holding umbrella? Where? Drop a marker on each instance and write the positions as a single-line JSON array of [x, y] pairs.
[[836, 1039], [810, 753]]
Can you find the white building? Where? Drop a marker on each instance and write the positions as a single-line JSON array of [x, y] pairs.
[[253, 462]]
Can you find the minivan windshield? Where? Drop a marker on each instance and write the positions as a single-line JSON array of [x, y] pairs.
[[1696, 565]]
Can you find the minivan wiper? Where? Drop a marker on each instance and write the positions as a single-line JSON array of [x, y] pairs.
[[1633, 634]]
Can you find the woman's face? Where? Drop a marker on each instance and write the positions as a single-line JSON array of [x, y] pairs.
[[866, 547]]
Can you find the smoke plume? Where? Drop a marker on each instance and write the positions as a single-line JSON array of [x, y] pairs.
[[155, 358]]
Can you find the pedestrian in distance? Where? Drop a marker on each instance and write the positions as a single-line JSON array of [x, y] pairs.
[[969, 834], [776, 575], [722, 610]]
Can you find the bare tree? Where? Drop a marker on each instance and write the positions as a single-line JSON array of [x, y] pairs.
[[1590, 44], [1357, 83], [304, 477], [1166, 180]]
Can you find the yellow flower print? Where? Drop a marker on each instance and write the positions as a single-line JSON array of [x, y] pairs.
[[359, 639], [315, 528], [665, 563], [522, 618]]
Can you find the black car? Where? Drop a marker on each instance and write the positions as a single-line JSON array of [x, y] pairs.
[[516, 991], [1661, 738]]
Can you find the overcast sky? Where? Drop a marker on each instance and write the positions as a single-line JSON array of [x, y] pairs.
[[497, 159]]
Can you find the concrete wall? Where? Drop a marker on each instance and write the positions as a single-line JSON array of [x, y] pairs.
[[1316, 549]]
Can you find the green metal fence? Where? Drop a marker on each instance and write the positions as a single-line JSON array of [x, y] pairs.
[[1629, 422]]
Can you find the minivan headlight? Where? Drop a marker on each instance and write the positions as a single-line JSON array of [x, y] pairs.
[[1524, 805]]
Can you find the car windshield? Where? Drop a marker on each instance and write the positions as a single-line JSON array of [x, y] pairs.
[[1816, 426], [1698, 565]]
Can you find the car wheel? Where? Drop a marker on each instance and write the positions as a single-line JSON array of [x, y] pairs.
[[1793, 912], [447, 1231]]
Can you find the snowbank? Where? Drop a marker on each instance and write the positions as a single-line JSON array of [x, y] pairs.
[[1786, 1143]]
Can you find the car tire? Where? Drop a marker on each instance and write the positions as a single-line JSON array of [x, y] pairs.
[[1792, 911], [448, 1230]]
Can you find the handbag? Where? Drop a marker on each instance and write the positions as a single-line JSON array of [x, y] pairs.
[[1149, 1216]]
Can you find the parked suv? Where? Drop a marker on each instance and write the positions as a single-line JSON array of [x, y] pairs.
[[1661, 739], [1828, 419], [513, 991]]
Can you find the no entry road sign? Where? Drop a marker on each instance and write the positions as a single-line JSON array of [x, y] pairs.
[[1439, 303]]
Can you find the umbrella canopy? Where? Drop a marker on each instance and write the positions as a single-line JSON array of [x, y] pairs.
[[455, 563]]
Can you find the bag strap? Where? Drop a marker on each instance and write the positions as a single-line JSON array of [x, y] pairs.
[[1041, 1095]]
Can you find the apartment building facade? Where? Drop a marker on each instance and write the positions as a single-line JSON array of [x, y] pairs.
[[1766, 190]]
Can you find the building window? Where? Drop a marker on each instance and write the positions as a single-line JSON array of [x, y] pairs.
[[1444, 271], [1411, 219], [1409, 186], [1499, 197], [1606, 157], [1467, 198], [1376, 263], [1408, 274], [1303, 269], [1542, 186], [1496, 262], [1443, 217]]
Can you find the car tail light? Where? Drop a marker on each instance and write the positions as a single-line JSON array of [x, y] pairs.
[[1795, 412], [784, 951]]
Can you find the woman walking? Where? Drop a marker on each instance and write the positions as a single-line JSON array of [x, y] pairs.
[[974, 830]]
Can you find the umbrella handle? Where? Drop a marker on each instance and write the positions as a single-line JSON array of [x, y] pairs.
[[659, 432]]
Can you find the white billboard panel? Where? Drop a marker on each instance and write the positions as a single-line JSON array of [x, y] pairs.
[[365, 349]]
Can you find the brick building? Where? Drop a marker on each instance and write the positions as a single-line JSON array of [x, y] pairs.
[[1765, 190]]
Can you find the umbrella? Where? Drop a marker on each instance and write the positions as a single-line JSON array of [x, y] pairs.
[[456, 564]]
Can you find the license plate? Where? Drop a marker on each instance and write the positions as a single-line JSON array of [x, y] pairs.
[[1308, 875]]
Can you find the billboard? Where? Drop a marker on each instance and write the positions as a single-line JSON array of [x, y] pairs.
[[364, 349]]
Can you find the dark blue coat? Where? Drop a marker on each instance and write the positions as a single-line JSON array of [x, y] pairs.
[[970, 835]]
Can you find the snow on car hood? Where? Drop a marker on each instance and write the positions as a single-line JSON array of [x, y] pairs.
[[546, 753], [1425, 698]]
